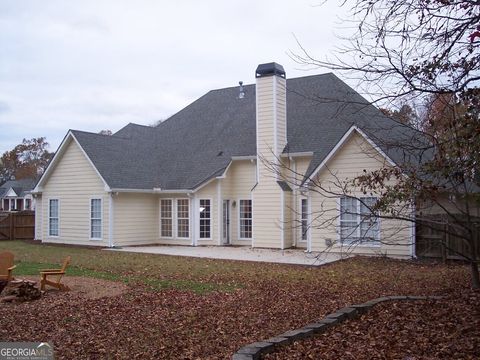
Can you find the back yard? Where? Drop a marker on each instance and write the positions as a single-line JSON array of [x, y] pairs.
[[167, 307]]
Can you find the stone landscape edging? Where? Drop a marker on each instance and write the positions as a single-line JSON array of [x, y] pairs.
[[256, 350]]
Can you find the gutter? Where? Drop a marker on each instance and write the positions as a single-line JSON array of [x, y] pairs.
[[152, 191], [297, 154]]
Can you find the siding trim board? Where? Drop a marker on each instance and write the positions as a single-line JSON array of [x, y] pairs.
[[219, 212], [110, 220]]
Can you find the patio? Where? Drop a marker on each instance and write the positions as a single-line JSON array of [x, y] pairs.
[[290, 256]]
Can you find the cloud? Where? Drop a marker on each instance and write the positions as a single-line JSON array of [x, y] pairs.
[[4, 108], [92, 65]]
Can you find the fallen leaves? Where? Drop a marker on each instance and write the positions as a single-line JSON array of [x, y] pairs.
[[435, 329], [164, 323]]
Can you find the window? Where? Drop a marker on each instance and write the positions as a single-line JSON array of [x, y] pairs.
[[304, 219], [245, 219], [95, 218], [357, 223], [166, 222], [53, 217], [205, 218], [28, 204], [183, 222], [368, 221]]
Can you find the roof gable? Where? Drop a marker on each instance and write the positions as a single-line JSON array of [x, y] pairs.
[[17, 188], [68, 139], [313, 172], [11, 192]]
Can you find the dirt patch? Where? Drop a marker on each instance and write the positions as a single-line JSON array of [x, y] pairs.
[[85, 287]]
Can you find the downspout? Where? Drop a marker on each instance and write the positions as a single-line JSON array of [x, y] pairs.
[[110, 220], [193, 223], [309, 231], [413, 235], [219, 211], [282, 217], [294, 207]]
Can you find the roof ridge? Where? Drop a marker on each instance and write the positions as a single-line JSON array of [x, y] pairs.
[[288, 79], [113, 136]]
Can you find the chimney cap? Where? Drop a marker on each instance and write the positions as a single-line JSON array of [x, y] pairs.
[[269, 69]]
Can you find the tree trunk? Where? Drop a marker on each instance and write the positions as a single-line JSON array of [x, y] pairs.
[[475, 275]]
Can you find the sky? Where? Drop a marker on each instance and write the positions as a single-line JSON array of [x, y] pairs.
[[95, 65]]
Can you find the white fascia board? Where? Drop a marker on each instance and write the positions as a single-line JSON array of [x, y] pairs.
[[10, 193], [376, 147], [56, 158], [205, 184], [107, 188], [53, 162], [178, 191], [296, 154], [225, 171], [145, 191], [339, 144], [150, 191], [246, 157]]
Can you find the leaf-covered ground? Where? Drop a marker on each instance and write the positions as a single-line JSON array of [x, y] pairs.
[[186, 308], [440, 329]]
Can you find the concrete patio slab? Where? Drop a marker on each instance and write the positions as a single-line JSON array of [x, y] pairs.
[[296, 256]]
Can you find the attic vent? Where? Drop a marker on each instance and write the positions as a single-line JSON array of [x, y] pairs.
[[241, 95], [220, 153]]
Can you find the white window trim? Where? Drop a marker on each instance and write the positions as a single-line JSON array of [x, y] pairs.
[[173, 218], [90, 218], [301, 240], [376, 243], [200, 219], [48, 217], [189, 219], [239, 222], [29, 203]]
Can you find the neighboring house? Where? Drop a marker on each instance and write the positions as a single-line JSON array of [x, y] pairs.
[[237, 166], [15, 195]]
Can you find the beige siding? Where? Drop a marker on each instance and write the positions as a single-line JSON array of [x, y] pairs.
[[350, 160], [74, 182], [135, 219], [299, 168], [268, 200], [237, 184], [288, 219], [38, 218]]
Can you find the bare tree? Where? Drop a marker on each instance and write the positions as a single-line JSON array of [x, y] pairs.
[[427, 51]]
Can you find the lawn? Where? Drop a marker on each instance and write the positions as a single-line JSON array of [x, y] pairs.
[[186, 308]]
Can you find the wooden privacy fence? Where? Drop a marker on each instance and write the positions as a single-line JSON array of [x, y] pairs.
[[17, 226], [440, 239]]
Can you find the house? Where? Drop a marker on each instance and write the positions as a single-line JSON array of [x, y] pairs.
[[15, 195], [239, 166]]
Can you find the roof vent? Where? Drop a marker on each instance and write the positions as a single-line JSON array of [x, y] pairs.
[[241, 95], [270, 69]]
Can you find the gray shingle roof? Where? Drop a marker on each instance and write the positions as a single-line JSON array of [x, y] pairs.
[[19, 186], [197, 143]]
